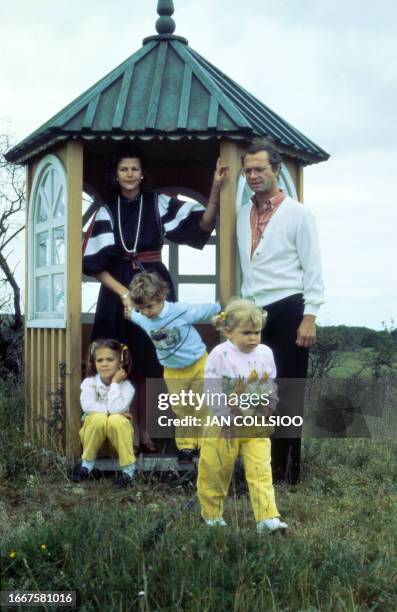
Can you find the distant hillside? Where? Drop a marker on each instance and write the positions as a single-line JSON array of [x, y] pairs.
[[347, 338]]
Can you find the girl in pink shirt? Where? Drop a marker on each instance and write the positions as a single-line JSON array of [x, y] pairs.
[[239, 377]]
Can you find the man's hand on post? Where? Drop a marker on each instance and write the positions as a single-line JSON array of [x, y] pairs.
[[207, 221], [220, 174]]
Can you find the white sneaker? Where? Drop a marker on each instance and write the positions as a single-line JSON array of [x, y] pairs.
[[271, 524], [215, 522]]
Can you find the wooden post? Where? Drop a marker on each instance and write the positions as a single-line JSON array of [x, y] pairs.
[[230, 155], [74, 171], [299, 188]]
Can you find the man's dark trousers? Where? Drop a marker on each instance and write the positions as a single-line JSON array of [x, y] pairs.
[[280, 333]]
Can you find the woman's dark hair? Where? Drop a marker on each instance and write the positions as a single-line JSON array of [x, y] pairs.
[[113, 345], [126, 151], [260, 144]]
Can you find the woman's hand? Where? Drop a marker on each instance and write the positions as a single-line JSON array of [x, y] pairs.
[[127, 304], [119, 376], [127, 312]]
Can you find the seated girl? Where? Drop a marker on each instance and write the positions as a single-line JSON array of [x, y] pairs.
[[106, 397]]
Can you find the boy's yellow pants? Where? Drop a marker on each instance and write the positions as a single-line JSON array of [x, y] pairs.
[[216, 464], [116, 427], [190, 378]]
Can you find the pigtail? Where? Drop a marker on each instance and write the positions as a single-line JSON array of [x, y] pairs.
[[219, 321], [125, 359], [238, 311], [113, 345], [90, 369]]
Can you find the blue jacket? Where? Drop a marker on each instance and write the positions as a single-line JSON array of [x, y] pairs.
[[177, 343]]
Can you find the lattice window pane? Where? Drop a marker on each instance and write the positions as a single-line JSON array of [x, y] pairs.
[[42, 207], [47, 186], [89, 296], [58, 246], [59, 198], [189, 292], [58, 292], [43, 250], [165, 255], [192, 261], [42, 294]]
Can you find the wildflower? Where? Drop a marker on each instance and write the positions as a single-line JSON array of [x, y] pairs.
[[141, 594], [43, 547], [239, 386], [39, 517], [13, 554]]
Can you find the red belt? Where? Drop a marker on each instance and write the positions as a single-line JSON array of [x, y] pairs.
[[145, 257]]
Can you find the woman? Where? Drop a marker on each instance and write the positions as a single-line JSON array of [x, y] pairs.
[[127, 237]]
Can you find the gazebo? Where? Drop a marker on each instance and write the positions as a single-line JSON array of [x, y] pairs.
[[184, 113]]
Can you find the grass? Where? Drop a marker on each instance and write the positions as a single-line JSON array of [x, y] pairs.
[[357, 363], [339, 554]]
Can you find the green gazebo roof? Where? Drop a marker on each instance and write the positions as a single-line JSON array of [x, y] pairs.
[[167, 90]]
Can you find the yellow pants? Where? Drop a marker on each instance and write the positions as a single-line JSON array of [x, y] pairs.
[[190, 378], [216, 464], [116, 427]]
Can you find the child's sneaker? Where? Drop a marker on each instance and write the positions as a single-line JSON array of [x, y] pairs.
[[186, 455], [272, 524], [126, 477], [123, 481], [80, 473], [215, 522]]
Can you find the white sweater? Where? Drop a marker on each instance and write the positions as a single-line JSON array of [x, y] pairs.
[[227, 367], [286, 260], [109, 399]]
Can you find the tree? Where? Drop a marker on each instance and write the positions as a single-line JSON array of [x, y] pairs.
[[323, 356], [12, 202], [382, 360]]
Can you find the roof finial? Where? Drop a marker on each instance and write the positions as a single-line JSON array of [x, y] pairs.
[[165, 24]]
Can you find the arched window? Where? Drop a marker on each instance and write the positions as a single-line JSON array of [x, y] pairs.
[[47, 245], [193, 272], [91, 201]]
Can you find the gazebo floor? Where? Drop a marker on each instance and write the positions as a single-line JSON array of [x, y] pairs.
[[155, 462]]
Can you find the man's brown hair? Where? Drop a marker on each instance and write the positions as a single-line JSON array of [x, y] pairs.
[[260, 144]]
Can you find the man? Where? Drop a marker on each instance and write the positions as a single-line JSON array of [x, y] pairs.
[[280, 262]]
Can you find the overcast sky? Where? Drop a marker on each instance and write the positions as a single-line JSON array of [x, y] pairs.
[[329, 67]]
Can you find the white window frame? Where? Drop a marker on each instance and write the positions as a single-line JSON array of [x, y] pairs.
[[51, 318], [87, 318], [173, 266]]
